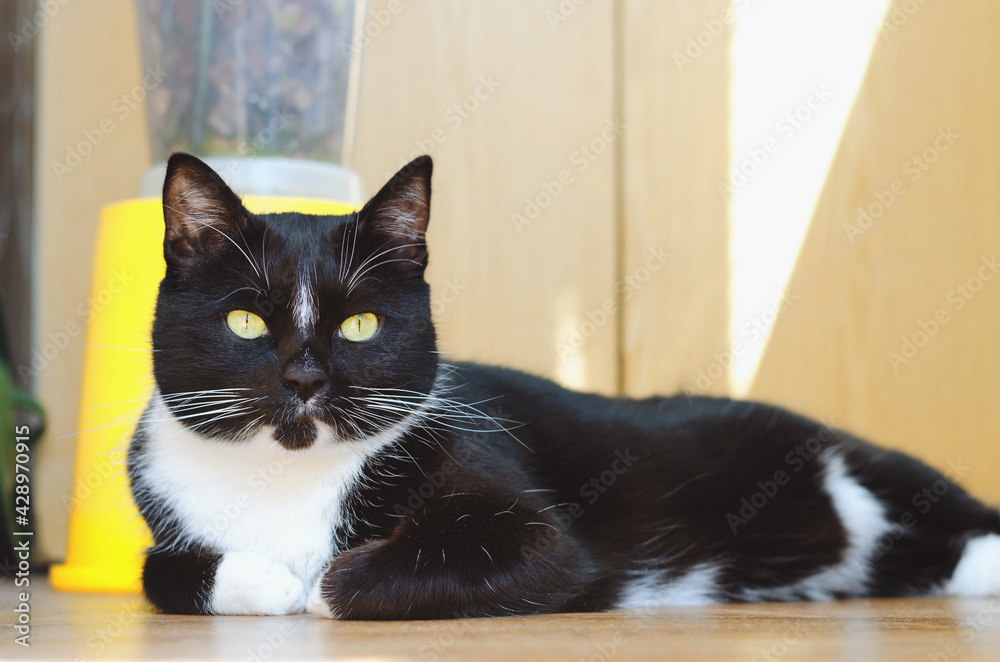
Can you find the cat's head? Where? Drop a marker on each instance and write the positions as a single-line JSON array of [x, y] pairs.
[[297, 325]]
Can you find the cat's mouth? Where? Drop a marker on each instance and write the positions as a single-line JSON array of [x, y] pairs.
[[297, 434], [299, 431], [303, 424]]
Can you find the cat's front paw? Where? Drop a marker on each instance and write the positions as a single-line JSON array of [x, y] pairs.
[[247, 583], [343, 589]]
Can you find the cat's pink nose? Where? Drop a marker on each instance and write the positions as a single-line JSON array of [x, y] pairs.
[[305, 380]]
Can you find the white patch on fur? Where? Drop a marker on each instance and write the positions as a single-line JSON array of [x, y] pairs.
[[253, 495], [248, 584], [304, 310], [699, 586], [863, 518], [978, 571], [315, 604]]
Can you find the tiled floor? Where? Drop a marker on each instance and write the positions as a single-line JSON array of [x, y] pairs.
[[69, 626]]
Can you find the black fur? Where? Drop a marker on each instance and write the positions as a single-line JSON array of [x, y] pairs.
[[180, 582], [518, 496]]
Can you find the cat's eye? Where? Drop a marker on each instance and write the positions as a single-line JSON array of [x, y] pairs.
[[245, 324], [361, 327]]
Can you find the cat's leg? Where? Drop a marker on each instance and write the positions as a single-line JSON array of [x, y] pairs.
[[466, 555], [202, 581]]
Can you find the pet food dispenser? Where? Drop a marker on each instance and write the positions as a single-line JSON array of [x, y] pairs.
[[281, 108]]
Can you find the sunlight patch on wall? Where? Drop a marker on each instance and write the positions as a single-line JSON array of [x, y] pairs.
[[570, 334], [796, 70]]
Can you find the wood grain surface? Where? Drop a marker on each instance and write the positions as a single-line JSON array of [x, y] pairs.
[[68, 626]]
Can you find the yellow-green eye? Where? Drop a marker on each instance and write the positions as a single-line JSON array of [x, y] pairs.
[[245, 324], [358, 328]]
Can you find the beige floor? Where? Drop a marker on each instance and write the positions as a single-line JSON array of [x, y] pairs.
[[67, 626]]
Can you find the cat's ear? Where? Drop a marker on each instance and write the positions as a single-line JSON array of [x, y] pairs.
[[201, 213], [401, 210]]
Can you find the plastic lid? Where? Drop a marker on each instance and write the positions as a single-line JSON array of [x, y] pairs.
[[273, 176]]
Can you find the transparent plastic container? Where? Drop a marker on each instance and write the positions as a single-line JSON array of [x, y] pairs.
[[247, 78]]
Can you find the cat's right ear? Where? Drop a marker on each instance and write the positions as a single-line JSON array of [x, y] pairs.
[[400, 211], [201, 213]]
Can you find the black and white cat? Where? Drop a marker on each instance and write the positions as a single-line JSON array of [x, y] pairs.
[[306, 449]]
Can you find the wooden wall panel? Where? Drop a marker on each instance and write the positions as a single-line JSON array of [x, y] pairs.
[[513, 281], [675, 100], [865, 285]]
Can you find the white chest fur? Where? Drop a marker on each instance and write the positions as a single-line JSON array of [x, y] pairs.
[[253, 495]]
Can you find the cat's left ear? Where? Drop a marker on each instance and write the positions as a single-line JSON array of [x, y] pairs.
[[401, 210]]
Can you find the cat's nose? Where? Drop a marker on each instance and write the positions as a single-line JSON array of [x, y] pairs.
[[304, 379]]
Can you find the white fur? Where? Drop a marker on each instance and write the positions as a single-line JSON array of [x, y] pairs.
[[978, 571], [247, 583], [315, 604], [698, 586], [304, 310], [255, 496], [863, 517]]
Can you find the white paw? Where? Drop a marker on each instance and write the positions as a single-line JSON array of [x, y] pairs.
[[315, 604], [248, 583]]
